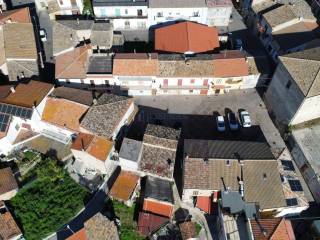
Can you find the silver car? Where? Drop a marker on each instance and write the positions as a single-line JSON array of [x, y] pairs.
[[245, 119]]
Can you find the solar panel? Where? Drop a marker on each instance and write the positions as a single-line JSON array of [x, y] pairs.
[[292, 202], [287, 165], [16, 111], [4, 121], [295, 185]]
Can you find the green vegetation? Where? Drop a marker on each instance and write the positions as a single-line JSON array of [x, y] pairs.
[[48, 202], [128, 228], [198, 228], [87, 7]]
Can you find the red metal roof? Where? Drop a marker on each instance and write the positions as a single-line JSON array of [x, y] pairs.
[[204, 203], [163, 209], [186, 37], [148, 222]]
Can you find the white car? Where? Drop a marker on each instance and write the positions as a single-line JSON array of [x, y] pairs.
[[245, 119], [233, 121], [43, 35], [220, 124]]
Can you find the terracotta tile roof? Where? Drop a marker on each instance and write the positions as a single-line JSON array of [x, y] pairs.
[[28, 94], [160, 208], [140, 64], [148, 222], [74, 94], [63, 113], [124, 185], [188, 230], [101, 228], [19, 41], [5, 91], [210, 174], [73, 64], [155, 160], [2, 48], [98, 147], [186, 37], [272, 229], [80, 235], [103, 118], [230, 67], [260, 179], [7, 181], [21, 15], [8, 227]]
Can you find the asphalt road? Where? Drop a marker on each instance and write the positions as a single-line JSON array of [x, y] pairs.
[[45, 23]]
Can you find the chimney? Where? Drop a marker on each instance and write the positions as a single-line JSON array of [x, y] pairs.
[[78, 22], [149, 55], [12, 90], [95, 102]]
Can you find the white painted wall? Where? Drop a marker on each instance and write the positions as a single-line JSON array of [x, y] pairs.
[[90, 162], [8, 195], [219, 16], [160, 15], [128, 165], [309, 110]]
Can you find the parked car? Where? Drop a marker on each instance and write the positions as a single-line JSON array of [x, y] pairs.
[[233, 121], [238, 44], [221, 126], [43, 35], [245, 119]]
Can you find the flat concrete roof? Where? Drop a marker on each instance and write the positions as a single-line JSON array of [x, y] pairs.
[[130, 149]]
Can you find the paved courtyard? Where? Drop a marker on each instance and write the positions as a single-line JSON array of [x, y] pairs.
[[196, 116]]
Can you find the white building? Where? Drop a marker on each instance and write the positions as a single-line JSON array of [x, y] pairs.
[[128, 14], [293, 96], [92, 155], [142, 14], [21, 111]]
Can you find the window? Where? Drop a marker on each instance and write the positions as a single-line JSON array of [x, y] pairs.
[[127, 24], [68, 81], [139, 12], [81, 81], [61, 2], [190, 91], [103, 12], [159, 14], [165, 82], [295, 185], [205, 82], [292, 202], [288, 85], [92, 82], [106, 82], [264, 176], [192, 81], [196, 14], [117, 12], [228, 162], [179, 82], [287, 165], [126, 11]]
